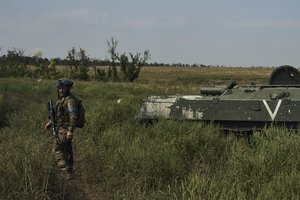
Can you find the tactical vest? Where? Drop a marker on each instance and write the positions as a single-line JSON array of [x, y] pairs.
[[66, 119]]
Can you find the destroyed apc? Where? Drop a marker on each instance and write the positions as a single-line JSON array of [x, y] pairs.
[[234, 108]]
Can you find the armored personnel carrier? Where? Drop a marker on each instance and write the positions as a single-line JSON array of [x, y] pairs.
[[237, 108]]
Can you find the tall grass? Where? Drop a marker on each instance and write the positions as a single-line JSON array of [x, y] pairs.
[[267, 169], [116, 158]]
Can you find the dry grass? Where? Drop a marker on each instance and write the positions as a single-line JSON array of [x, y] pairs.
[[203, 75], [197, 75], [117, 159]]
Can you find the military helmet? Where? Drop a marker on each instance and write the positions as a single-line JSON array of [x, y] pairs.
[[63, 82]]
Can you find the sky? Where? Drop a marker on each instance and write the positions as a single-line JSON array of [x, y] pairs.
[[210, 32]]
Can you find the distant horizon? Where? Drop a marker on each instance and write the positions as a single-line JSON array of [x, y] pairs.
[[149, 62], [229, 33]]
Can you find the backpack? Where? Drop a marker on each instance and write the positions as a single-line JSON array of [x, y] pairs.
[[80, 115]]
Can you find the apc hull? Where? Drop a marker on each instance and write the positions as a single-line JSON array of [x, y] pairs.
[[243, 108], [249, 107]]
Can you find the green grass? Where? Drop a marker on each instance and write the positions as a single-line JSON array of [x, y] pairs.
[[116, 158]]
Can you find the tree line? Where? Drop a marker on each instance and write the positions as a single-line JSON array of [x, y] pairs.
[[76, 65]]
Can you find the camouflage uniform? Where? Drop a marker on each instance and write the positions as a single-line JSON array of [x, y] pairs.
[[66, 116]]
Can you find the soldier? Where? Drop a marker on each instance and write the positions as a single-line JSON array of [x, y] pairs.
[[66, 116]]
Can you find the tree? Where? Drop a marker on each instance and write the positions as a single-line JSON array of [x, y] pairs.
[[83, 64], [130, 65], [78, 62], [112, 66], [71, 60], [15, 62]]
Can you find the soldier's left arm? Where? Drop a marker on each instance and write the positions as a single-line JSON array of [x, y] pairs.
[[73, 112]]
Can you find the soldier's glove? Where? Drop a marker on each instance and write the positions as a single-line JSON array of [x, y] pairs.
[[69, 135]]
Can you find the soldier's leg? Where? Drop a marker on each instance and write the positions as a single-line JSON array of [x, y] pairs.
[[58, 153], [69, 156]]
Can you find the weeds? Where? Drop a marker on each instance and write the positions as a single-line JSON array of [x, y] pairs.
[[118, 159]]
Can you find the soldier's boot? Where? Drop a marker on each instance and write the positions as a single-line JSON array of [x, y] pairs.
[[69, 172], [69, 162], [59, 158], [66, 170], [62, 165]]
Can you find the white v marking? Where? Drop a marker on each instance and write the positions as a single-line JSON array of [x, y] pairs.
[[272, 114]]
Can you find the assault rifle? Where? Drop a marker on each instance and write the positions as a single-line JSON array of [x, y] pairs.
[[51, 115]]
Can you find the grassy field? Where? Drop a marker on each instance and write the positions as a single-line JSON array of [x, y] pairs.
[[203, 75], [115, 158]]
